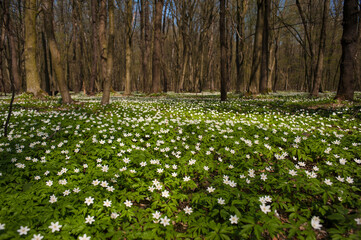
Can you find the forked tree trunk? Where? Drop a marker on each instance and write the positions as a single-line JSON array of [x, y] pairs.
[[31, 69], [156, 73], [223, 45], [54, 50], [110, 53], [346, 86]]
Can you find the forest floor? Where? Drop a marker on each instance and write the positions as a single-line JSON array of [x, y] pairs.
[[181, 166]]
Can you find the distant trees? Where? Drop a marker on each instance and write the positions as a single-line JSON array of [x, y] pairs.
[[253, 46]]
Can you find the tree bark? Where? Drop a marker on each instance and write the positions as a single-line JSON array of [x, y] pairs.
[[31, 68], [265, 48], [346, 84], [128, 47], [54, 50], [156, 72], [253, 87], [321, 51], [146, 44], [110, 53], [103, 40], [240, 42], [223, 45], [94, 67]]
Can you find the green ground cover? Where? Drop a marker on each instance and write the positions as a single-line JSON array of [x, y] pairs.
[[181, 167]]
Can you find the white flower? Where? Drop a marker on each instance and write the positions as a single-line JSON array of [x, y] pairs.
[[292, 172], [107, 203], [265, 208], [37, 237], [76, 190], [328, 182], [339, 178], [84, 237], [23, 230], [2, 226], [165, 193], [174, 174], [49, 183], [114, 215], [210, 189], [188, 210], [358, 221], [206, 168], [164, 221], [233, 219], [128, 203], [55, 226], [343, 161], [186, 178], [96, 182], [53, 199], [89, 201], [315, 223], [349, 180], [221, 201], [263, 177], [89, 219], [156, 215], [66, 192]]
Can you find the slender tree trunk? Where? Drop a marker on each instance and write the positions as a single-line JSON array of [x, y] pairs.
[[240, 43], [110, 53], [146, 42], [94, 67], [321, 51], [265, 48], [346, 85], [128, 47], [253, 86], [103, 39], [156, 73], [31, 69], [223, 45], [55, 53]]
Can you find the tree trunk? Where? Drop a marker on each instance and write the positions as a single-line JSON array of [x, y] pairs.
[[110, 53], [240, 42], [54, 50], [128, 47], [94, 67], [146, 45], [265, 48], [31, 69], [103, 40], [156, 73], [223, 45], [46, 69], [253, 86], [346, 84], [321, 51]]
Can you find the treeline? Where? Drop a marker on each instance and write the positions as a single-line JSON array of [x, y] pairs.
[[152, 46]]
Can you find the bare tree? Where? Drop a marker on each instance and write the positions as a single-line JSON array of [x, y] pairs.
[[128, 46]]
